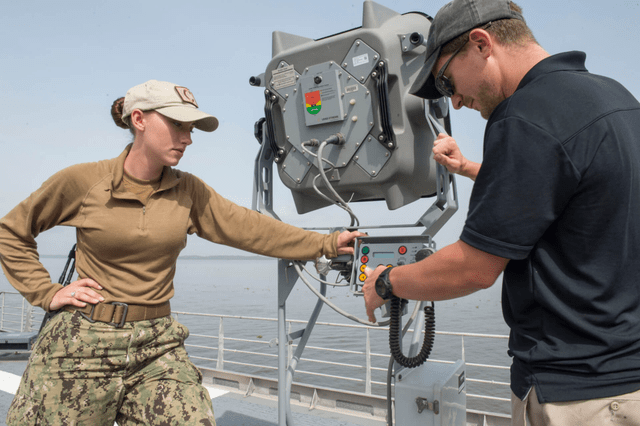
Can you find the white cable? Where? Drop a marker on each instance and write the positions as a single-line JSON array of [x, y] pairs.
[[346, 314]]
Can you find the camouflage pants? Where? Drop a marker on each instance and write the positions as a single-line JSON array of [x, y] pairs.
[[94, 374]]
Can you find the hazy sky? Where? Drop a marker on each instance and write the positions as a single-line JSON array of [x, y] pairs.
[[65, 62]]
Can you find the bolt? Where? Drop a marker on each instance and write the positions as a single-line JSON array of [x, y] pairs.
[[373, 172], [390, 145], [381, 137], [344, 65]]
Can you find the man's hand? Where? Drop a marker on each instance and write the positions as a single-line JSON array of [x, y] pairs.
[[447, 153], [371, 299], [345, 241], [78, 293]]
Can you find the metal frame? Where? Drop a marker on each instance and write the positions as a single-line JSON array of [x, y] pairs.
[[445, 205]]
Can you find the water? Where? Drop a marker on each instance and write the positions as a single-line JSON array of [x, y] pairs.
[[248, 287]]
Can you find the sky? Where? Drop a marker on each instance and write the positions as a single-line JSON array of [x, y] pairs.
[[64, 63]]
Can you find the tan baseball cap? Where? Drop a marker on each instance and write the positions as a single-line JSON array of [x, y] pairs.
[[175, 102]]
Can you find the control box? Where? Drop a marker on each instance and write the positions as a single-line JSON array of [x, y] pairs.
[[433, 394], [387, 251]]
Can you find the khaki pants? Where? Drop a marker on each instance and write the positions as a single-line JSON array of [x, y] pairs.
[[93, 374], [622, 410]]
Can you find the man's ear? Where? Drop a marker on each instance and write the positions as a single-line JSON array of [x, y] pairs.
[[481, 41]]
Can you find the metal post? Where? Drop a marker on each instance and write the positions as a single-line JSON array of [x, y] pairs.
[[220, 364], [282, 365], [2, 317], [367, 351], [22, 317]]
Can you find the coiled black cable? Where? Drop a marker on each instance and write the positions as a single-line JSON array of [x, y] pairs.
[[395, 339]]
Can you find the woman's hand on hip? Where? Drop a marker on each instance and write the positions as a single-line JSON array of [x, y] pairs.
[[78, 293]]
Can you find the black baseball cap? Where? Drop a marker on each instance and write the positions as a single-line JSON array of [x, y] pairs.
[[453, 19]]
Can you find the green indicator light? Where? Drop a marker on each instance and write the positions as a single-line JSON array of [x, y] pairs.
[[365, 250]]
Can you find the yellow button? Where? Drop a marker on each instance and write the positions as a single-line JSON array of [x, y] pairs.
[[363, 267], [363, 277]]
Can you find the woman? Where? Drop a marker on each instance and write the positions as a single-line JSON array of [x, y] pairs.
[[114, 353]]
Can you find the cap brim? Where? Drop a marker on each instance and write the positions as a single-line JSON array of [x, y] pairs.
[[425, 83], [201, 120]]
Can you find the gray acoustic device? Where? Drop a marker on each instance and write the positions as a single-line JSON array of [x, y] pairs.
[[354, 84]]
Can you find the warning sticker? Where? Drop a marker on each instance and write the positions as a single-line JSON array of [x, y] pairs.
[[283, 77]]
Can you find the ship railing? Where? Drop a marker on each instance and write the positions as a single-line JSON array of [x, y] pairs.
[[17, 315], [354, 357], [361, 366]]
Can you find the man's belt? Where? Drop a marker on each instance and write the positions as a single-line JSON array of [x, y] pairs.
[[117, 313]]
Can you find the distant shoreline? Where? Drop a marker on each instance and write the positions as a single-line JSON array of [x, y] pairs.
[[188, 257]]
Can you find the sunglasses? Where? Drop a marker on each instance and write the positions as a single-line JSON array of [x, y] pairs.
[[443, 84]]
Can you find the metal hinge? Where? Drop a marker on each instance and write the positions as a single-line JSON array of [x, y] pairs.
[[423, 404]]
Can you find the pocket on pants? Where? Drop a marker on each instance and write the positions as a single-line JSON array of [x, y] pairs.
[[23, 411]]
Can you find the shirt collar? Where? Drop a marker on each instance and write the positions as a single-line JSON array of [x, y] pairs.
[[169, 176], [567, 61]]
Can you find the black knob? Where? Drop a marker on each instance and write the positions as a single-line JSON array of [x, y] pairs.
[[424, 253]]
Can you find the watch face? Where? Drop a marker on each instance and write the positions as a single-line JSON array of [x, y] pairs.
[[380, 287], [383, 287]]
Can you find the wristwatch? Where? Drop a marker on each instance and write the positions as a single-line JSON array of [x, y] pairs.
[[383, 285]]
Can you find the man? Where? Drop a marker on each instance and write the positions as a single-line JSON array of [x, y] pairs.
[[554, 206]]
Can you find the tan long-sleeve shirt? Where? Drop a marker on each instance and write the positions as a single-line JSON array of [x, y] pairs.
[[131, 248]]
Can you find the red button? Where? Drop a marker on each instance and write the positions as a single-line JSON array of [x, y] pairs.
[[402, 250], [364, 259]]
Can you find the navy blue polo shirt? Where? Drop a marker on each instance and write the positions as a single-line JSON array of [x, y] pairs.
[[558, 193]]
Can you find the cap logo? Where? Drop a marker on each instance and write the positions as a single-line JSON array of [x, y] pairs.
[[186, 95]]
